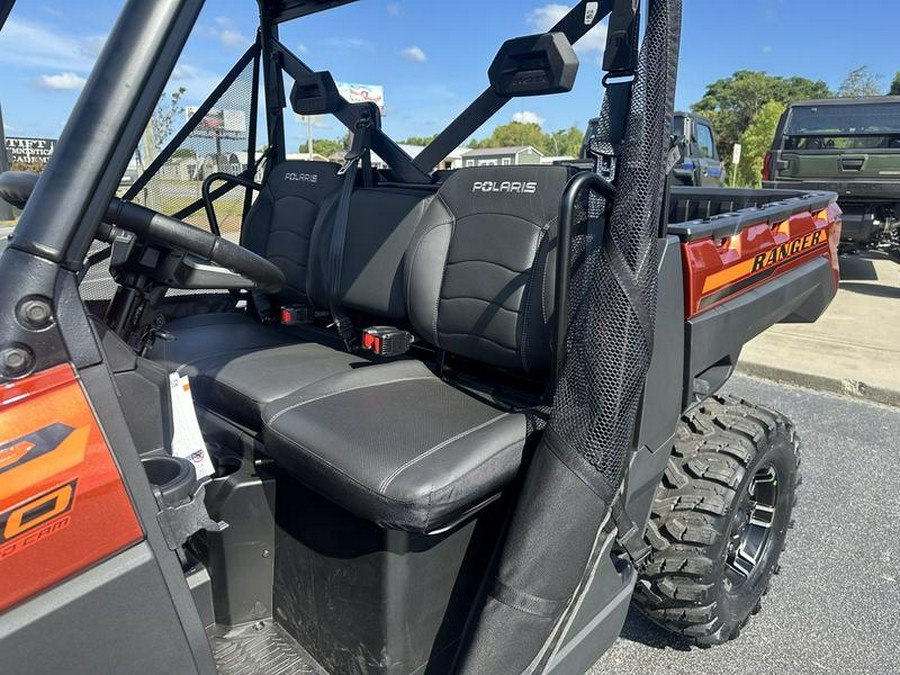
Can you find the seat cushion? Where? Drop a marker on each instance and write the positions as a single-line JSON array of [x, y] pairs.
[[238, 365], [395, 444], [200, 337]]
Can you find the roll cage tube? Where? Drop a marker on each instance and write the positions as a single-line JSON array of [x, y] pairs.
[[381, 143], [112, 112], [574, 25], [5, 9]]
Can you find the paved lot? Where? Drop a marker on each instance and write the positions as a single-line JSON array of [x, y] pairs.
[[853, 348], [836, 606]]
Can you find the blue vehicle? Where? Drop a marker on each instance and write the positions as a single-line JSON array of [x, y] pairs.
[[699, 164]]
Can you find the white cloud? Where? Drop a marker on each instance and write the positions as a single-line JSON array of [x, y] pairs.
[[767, 49], [198, 82], [545, 17], [61, 82], [350, 43], [528, 117], [228, 35], [415, 53], [318, 121], [233, 38], [31, 44], [302, 48], [393, 8]]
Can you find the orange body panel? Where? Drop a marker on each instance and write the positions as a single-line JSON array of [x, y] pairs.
[[716, 271], [63, 506]]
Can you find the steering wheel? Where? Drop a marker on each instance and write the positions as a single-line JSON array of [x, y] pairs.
[[154, 227]]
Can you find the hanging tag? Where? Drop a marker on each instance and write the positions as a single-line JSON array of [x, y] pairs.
[[187, 440]]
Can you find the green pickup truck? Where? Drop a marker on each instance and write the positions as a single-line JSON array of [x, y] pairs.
[[850, 146]]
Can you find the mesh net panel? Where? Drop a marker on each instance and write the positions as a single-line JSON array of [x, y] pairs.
[[218, 144], [612, 313]]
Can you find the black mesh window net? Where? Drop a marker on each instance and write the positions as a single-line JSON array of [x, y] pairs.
[[218, 138], [560, 527], [182, 146]]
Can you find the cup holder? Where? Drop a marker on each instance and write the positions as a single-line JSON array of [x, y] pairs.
[[226, 465], [174, 477]]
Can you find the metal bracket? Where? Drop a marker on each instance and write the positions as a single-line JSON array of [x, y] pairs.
[[179, 523]]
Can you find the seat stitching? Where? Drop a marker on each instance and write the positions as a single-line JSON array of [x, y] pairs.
[[235, 351], [440, 289], [345, 391], [544, 312], [518, 443], [481, 261], [479, 337], [484, 300], [412, 263], [390, 478], [523, 308], [295, 444], [478, 214]]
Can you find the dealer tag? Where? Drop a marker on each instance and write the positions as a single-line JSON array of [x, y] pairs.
[[187, 440]]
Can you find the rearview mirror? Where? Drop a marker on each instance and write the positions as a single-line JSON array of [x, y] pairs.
[[534, 65]]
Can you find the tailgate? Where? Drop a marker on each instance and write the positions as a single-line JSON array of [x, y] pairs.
[[736, 240], [751, 259], [870, 174]]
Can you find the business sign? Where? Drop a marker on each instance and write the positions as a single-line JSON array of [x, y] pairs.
[[362, 93], [21, 150], [221, 123]]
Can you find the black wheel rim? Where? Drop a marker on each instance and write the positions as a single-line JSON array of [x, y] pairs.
[[751, 531]]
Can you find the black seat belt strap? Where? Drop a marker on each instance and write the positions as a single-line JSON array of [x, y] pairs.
[[359, 148], [620, 60]]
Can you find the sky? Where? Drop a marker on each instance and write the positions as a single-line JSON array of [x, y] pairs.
[[432, 57]]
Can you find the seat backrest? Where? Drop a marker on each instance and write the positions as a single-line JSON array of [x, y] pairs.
[[383, 221], [480, 273], [279, 226]]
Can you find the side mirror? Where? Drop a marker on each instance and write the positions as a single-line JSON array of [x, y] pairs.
[[315, 94], [534, 65]]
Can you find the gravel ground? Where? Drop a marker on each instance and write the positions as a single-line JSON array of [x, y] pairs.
[[835, 608]]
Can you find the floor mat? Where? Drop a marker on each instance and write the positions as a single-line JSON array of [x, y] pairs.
[[263, 648]]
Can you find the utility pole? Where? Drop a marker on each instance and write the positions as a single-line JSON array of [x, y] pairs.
[[6, 211]]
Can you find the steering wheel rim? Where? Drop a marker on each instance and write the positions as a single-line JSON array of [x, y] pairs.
[[16, 188]]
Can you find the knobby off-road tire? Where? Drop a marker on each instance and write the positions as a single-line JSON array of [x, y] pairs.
[[719, 519]]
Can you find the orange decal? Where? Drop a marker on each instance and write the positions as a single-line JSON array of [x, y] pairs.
[[718, 270], [14, 454], [63, 506]]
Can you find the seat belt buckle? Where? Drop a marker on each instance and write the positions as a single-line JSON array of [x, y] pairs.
[[387, 341], [348, 164], [295, 315]]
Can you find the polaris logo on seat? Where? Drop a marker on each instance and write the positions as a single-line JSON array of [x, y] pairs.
[[302, 177], [512, 187]]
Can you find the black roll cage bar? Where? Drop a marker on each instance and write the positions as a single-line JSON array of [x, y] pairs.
[[574, 25], [142, 50]]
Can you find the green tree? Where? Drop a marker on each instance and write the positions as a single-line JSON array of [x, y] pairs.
[[895, 85], [565, 142], [733, 102], [514, 134], [325, 146], [861, 82], [756, 141], [419, 140], [168, 110]]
